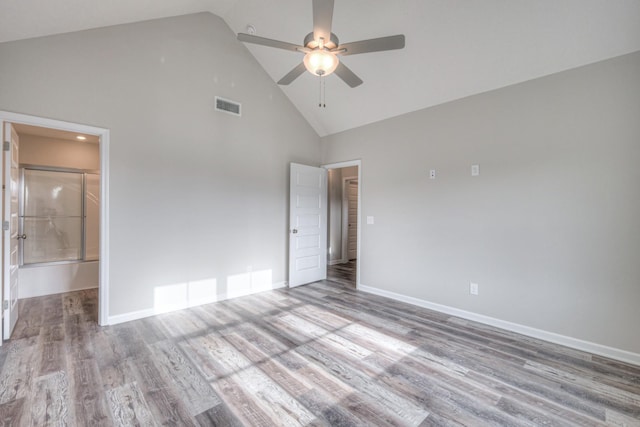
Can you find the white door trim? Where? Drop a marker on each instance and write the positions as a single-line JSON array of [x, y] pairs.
[[347, 164], [10, 243], [103, 134]]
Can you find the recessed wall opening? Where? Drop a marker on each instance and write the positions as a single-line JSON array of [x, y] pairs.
[[343, 223], [54, 212], [59, 205]]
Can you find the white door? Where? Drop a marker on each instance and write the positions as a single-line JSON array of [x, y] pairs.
[[307, 225], [10, 237], [352, 219]]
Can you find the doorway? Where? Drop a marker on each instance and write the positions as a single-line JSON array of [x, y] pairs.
[[343, 234], [58, 213], [350, 223], [84, 248]]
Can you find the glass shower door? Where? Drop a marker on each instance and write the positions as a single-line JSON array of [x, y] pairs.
[[52, 216]]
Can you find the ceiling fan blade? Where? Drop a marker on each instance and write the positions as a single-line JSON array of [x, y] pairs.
[[322, 17], [373, 45], [248, 38], [293, 74], [347, 75]]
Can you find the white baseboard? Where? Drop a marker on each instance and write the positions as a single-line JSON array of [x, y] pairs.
[[135, 315], [575, 343]]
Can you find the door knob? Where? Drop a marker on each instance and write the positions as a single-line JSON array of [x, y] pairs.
[[23, 236], [294, 231]]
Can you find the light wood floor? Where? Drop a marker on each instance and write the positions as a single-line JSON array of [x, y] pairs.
[[343, 273], [322, 354]]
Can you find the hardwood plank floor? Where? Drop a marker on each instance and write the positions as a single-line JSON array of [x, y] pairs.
[[320, 355], [343, 273]]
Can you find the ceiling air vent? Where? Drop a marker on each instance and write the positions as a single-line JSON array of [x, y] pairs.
[[228, 106]]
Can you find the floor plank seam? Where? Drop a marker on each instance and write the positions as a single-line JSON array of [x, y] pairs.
[[321, 354]]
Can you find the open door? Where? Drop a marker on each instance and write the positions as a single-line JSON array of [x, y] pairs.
[[10, 231], [307, 225]]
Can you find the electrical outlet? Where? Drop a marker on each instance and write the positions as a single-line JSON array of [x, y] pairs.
[[475, 170], [473, 288], [432, 174]]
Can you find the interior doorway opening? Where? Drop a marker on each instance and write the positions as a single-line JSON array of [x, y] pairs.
[[343, 228], [58, 212], [67, 213]]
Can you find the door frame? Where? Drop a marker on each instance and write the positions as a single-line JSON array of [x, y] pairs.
[[10, 238], [346, 164], [345, 217], [104, 136]]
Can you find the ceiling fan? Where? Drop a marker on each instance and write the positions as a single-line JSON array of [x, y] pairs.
[[321, 47]]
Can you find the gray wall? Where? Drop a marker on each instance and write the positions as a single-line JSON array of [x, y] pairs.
[[550, 230], [195, 195]]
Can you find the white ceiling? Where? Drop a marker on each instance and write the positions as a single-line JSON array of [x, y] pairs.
[[454, 48]]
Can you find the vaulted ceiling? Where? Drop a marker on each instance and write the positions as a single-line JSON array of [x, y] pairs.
[[454, 48]]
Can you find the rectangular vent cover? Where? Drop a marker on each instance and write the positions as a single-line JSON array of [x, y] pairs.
[[228, 106]]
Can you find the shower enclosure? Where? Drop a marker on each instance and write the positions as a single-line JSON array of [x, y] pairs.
[[59, 229]]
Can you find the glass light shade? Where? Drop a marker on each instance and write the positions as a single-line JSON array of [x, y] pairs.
[[321, 62]]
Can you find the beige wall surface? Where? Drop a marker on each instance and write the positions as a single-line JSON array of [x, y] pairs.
[[42, 151], [196, 196], [550, 228]]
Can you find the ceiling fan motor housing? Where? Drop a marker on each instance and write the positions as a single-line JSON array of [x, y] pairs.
[[320, 61], [311, 43]]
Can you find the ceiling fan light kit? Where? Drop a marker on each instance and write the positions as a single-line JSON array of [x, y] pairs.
[[321, 62], [321, 47]]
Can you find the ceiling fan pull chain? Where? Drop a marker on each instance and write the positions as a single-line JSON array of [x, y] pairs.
[[324, 93], [321, 93]]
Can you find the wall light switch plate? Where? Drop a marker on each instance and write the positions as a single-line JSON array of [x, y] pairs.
[[370, 220], [475, 170], [473, 288], [432, 174]]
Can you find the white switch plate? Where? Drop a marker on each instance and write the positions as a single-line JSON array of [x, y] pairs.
[[432, 174], [473, 288], [475, 170], [369, 220]]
